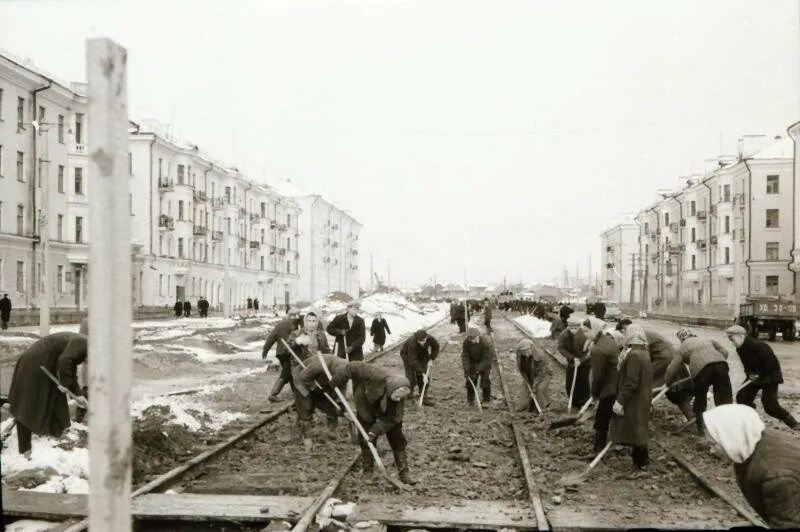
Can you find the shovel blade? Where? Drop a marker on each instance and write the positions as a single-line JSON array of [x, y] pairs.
[[573, 479], [564, 422]]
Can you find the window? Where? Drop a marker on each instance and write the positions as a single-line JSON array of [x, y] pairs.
[[288, 244], [60, 279], [228, 220], [180, 210], [693, 208], [263, 210], [773, 182], [160, 167], [1, 104], [262, 263], [772, 218], [694, 234], [60, 233], [773, 251], [61, 129], [78, 229], [79, 181], [20, 113], [1, 223], [288, 220], [161, 284], [2, 284], [20, 276], [694, 262], [262, 237], [130, 163], [666, 219], [727, 255], [227, 194], [757, 283], [727, 224], [772, 285], [79, 128], [20, 218], [41, 114], [1, 161], [288, 266], [180, 174], [726, 193], [180, 247], [20, 166], [61, 178]]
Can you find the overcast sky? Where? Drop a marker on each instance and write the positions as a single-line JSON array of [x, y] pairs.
[[496, 138]]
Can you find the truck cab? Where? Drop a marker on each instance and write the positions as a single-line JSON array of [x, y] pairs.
[[771, 316]]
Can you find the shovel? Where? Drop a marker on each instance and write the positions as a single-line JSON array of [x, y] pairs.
[[665, 389], [533, 396], [475, 389], [571, 420], [7, 432], [573, 479], [63, 389], [302, 365], [572, 387], [378, 462], [425, 384]]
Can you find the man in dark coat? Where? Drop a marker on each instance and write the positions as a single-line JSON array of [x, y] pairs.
[[202, 307], [378, 330], [571, 345], [477, 355], [600, 310], [564, 312], [187, 308], [380, 398], [256, 305], [631, 419], [487, 317], [763, 370], [417, 353], [249, 305], [281, 331], [461, 317], [604, 357], [350, 332], [5, 312], [178, 308], [36, 402]]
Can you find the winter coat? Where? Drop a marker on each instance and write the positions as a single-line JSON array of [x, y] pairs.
[[564, 312], [459, 311], [378, 331], [770, 479], [416, 356], [307, 379], [187, 307], [758, 358], [249, 302], [698, 353], [35, 400], [662, 351], [354, 335], [604, 358], [178, 308], [476, 357], [372, 388], [282, 330], [571, 345], [5, 309], [487, 314], [534, 367], [634, 392]]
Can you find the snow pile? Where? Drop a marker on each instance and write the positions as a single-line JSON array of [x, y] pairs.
[[149, 331], [30, 525], [538, 328], [187, 410]]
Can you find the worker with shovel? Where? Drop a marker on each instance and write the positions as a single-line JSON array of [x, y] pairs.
[[282, 330], [571, 344], [380, 398], [350, 332], [604, 356], [418, 353], [312, 391], [631, 409], [477, 355], [534, 366], [38, 404]]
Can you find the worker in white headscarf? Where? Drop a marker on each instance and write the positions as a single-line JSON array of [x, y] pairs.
[[766, 462]]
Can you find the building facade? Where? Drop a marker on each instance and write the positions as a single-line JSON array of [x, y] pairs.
[[43, 186], [619, 259], [723, 235]]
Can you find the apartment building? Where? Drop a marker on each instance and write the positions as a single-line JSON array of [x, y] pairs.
[[620, 262], [724, 234], [43, 185], [192, 215], [329, 245]]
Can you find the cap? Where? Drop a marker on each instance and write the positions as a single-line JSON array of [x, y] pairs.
[[473, 331], [736, 329], [684, 333], [354, 304], [635, 335], [524, 345], [420, 335], [573, 321]]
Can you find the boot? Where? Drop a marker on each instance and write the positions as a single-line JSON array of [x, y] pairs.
[[470, 394], [401, 461], [487, 394], [331, 426], [600, 440], [367, 463], [686, 408], [276, 389], [428, 401], [304, 430]]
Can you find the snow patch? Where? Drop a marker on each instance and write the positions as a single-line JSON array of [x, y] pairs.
[[538, 328]]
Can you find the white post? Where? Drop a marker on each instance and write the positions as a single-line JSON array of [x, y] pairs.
[[44, 233], [110, 337], [226, 282]]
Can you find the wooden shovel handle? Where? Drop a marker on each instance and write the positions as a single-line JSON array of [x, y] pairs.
[[302, 365]]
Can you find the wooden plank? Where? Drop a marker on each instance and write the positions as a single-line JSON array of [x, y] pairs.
[[212, 507], [47, 506], [312, 509], [491, 515], [568, 517]]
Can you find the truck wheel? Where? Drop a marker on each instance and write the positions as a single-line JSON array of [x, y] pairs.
[[772, 334], [751, 331], [789, 333]]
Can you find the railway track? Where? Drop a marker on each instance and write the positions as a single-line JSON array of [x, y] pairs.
[[667, 497]]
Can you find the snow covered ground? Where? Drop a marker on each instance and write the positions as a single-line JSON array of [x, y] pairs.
[[535, 326]]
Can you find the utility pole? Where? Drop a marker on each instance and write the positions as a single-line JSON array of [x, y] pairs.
[[633, 278], [110, 316], [42, 131], [371, 272], [226, 271]]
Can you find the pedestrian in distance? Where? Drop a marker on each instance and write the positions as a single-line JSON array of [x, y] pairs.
[[766, 462], [600, 310], [477, 355], [5, 312], [417, 353], [178, 308], [187, 309], [249, 306], [534, 367], [36, 402], [461, 317], [282, 331], [380, 398], [564, 313], [631, 409], [763, 372], [708, 368], [487, 316], [202, 307], [604, 358], [256, 305], [378, 330], [572, 343], [350, 332]]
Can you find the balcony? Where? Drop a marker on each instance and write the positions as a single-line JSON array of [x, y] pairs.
[[199, 195], [165, 185], [216, 236], [701, 215], [282, 251], [609, 249], [199, 230], [673, 227], [683, 222], [273, 224], [255, 244], [217, 203], [701, 244], [242, 242], [334, 244], [714, 240], [282, 228], [166, 223], [255, 218], [80, 148], [609, 282], [676, 250], [609, 265]]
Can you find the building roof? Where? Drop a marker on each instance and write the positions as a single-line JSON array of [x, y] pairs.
[[781, 149], [285, 187]]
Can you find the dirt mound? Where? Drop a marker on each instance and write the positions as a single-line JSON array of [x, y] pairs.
[[159, 446]]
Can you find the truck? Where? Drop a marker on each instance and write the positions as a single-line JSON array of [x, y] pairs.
[[771, 316]]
